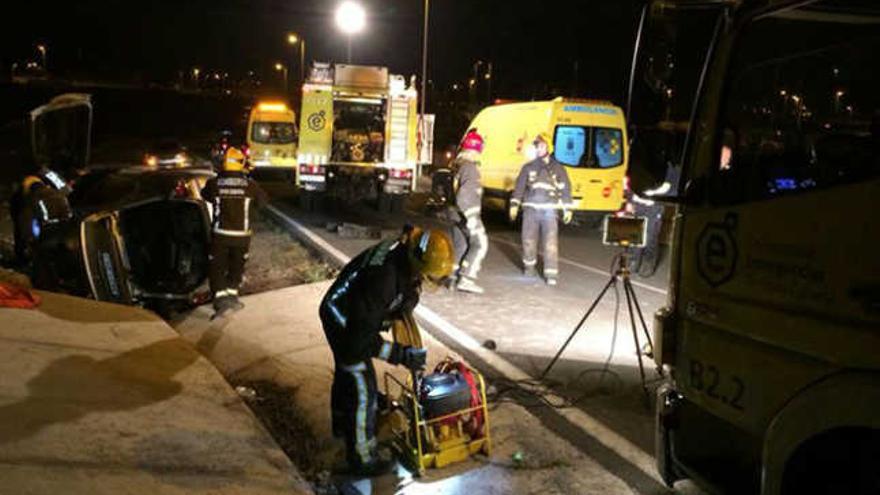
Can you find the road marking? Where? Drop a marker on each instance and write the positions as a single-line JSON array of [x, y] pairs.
[[590, 425], [588, 268]]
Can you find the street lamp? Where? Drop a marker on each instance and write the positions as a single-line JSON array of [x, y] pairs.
[[293, 39], [282, 69], [42, 49], [350, 19]]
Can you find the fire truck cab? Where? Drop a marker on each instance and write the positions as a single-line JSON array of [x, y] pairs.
[[771, 331]]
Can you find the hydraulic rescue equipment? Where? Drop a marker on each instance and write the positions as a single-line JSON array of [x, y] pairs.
[[438, 418]]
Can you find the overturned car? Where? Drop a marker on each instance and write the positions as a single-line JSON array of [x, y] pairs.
[[130, 235]]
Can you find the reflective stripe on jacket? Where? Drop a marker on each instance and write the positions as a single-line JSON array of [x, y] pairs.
[[542, 184]]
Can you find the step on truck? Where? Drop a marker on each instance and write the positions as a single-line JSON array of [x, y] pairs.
[[358, 136], [771, 333]]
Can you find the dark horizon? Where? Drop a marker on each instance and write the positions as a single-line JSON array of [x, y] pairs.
[[564, 47]]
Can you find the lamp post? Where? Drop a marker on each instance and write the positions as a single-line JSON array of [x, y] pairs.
[[283, 69], [350, 19], [42, 49], [293, 39]]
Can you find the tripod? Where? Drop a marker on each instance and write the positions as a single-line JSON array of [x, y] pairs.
[[622, 273]]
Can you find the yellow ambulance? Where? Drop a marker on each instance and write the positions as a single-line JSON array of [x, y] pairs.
[[589, 138], [272, 135]]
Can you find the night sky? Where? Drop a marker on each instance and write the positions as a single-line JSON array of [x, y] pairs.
[[533, 45]]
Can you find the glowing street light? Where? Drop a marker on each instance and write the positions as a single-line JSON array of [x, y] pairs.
[[351, 19], [42, 49], [293, 39], [283, 70]]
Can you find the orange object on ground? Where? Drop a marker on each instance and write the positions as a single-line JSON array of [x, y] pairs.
[[14, 296]]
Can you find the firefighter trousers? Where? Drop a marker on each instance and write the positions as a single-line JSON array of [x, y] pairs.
[[471, 246], [540, 226], [228, 256], [353, 404]]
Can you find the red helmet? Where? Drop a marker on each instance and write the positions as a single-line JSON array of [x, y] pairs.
[[472, 141]]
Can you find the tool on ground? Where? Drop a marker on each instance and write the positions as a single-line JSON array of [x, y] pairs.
[[439, 418], [623, 232]]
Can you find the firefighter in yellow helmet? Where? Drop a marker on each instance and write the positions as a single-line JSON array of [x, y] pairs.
[[543, 191], [231, 194], [379, 286]]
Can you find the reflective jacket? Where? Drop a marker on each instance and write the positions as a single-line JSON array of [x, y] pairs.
[[231, 195], [375, 288], [469, 191], [542, 185]]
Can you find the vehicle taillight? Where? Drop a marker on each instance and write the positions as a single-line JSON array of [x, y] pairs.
[[398, 173], [606, 192], [180, 190], [311, 169]]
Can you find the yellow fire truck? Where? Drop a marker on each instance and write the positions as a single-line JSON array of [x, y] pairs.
[[771, 334], [358, 135]]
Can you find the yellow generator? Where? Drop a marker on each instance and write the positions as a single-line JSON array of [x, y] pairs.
[[439, 418]]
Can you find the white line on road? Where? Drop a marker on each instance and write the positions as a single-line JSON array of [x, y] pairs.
[[604, 435], [582, 266]]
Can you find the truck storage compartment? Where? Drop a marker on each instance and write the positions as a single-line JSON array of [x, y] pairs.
[[167, 245], [358, 130]]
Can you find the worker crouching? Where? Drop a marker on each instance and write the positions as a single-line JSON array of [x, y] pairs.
[[231, 194], [542, 190], [379, 286]]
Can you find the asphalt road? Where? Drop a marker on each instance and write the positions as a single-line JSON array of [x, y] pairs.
[[529, 321]]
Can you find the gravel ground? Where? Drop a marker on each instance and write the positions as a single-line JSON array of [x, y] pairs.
[[277, 260]]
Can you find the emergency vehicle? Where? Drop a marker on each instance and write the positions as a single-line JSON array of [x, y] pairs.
[[271, 136], [589, 138], [772, 327], [358, 134]]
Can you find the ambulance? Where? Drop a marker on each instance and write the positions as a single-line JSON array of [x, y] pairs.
[[358, 136], [589, 138], [272, 136]]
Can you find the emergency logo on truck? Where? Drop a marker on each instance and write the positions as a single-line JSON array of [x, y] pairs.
[[317, 121], [717, 252]]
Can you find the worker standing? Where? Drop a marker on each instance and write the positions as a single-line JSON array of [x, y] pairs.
[[379, 286], [231, 194], [542, 189], [470, 238], [647, 258]]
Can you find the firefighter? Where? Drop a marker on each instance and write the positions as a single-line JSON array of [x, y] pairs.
[[542, 189], [469, 234], [42, 212], [230, 194], [647, 258], [379, 286]]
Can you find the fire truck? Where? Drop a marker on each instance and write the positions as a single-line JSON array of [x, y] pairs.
[[358, 136], [771, 331]]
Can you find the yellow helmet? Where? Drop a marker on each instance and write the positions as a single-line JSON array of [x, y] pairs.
[[234, 161], [543, 136], [29, 182], [431, 253]]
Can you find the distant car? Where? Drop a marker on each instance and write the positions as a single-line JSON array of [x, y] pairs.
[[137, 235], [167, 154]]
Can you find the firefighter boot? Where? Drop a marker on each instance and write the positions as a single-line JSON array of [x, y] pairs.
[[466, 284]]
